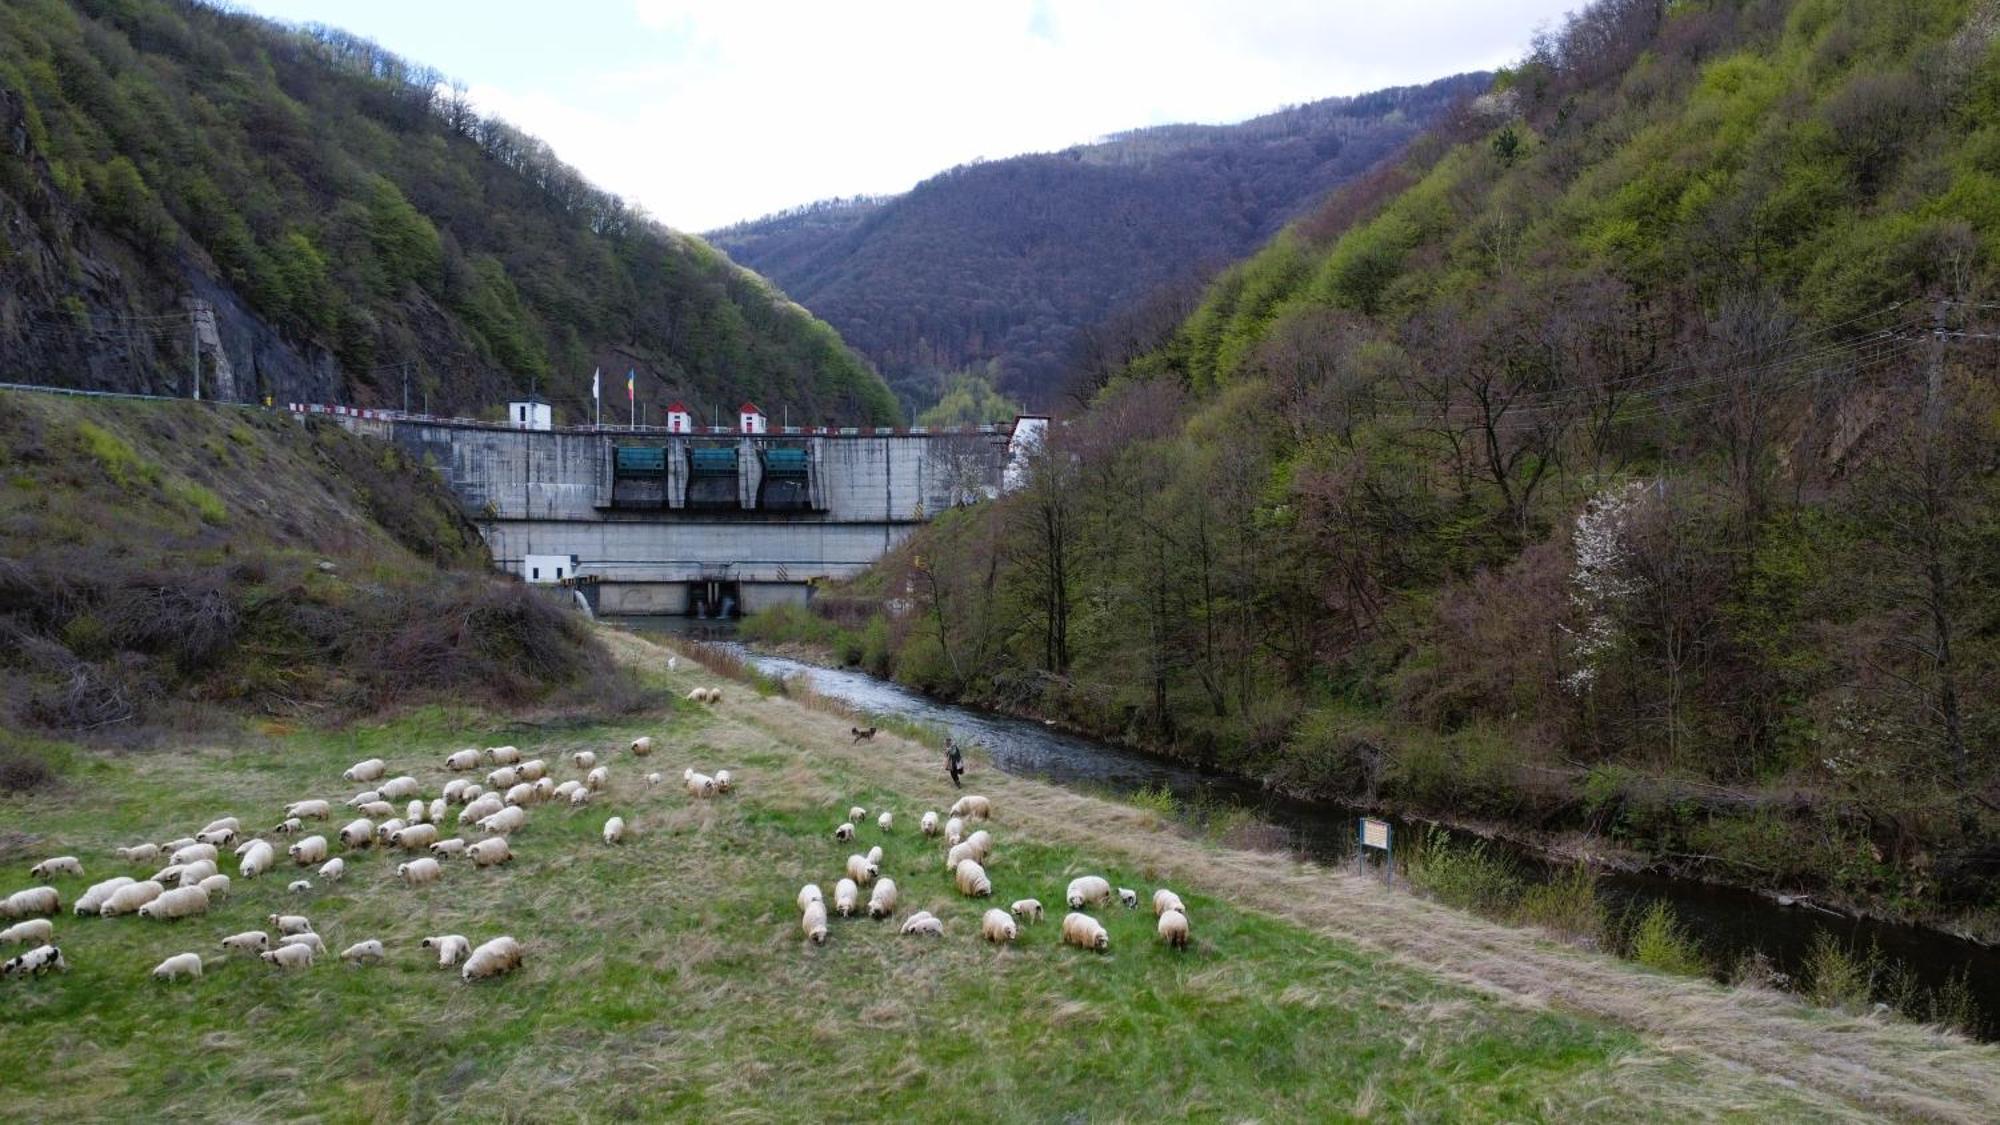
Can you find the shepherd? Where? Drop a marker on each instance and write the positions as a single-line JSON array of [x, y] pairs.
[[954, 761]]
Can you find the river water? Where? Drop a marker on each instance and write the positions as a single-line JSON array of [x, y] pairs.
[[1731, 924]]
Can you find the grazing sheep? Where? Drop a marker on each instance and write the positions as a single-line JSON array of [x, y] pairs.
[[435, 814], [597, 778], [131, 897], [698, 695], [1027, 909], [981, 843], [139, 853], [544, 787], [177, 966], [642, 746], [357, 833], [654, 779], [288, 826], [875, 855], [194, 852], [723, 781], [882, 901], [700, 785], [814, 920], [501, 955], [317, 810], [170, 875], [365, 797], [884, 821], [923, 922], [92, 900], [181, 902], [1090, 889], [503, 779], [862, 871], [309, 852], [308, 939], [33, 901], [289, 924], [808, 893], [471, 793], [522, 793], [220, 823], [846, 896], [489, 852], [997, 926], [1174, 929], [333, 869], [714, 695], [415, 838], [486, 805], [399, 788], [289, 956], [366, 771], [35, 962], [220, 837], [957, 854], [256, 861], [40, 931], [446, 849], [566, 788], [1085, 932], [389, 828], [857, 813], [377, 810], [249, 941], [419, 872], [216, 885], [971, 879], [364, 952], [462, 760], [1165, 900], [454, 790], [452, 948], [505, 822], [584, 759], [954, 831], [246, 846], [299, 886], [973, 808], [172, 846], [1129, 897], [502, 755], [614, 830], [416, 812], [928, 824], [534, 769], [195, 872], [844, 833]]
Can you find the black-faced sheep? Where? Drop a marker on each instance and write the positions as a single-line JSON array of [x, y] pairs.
[[642, 746], [1129, 897], [491, 959], [862, 871], [288, 826], [249, 941], [1092, 890], [257, 860], [289, 924], [534, 769], [973, 808], [451, 948], [813, 922], [289, 957], [597, 778], [724, 782], [882, 900], [397, 789], [923, 922], [584, 759], [489, 852], [366, 771], [447, 849], [194, 852], [502, 755], [954, 832], [1027, 909], [415, 838], [480, 808], [1174, 929], [364, 952], [1085, 932], [309, 810], [140, 853], [614, 830], [309, 852], [462, 760], [419, 872], [857, 814], [92, 900], [357, 833], [299, 886], [844, 833]]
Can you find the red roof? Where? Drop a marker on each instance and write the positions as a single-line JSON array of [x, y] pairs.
[[748, 408], [677, 408]]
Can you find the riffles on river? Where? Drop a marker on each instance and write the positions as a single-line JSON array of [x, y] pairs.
[[1730, 924]]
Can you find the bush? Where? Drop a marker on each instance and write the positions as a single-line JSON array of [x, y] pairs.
[[1659, 941], [30, 763], [1469, 875], [1838, 977], [1566, 905]]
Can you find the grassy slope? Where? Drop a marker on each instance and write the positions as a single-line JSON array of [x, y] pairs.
[[668, 977]]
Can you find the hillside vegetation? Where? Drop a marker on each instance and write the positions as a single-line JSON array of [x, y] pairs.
[[357, 229], [1617, 465], [1010, 262]]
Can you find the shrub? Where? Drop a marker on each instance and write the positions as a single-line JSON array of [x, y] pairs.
[[1469, 875], [1840, 978], [1155, 798], [1659, 941], [1566, 904]]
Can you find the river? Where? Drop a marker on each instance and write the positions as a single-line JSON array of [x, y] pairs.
[[1730, 923]]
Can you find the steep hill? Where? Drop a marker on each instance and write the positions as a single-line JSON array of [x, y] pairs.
[[1007, 260], [352, 223]]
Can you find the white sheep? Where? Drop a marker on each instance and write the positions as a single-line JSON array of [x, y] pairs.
[[216, 885], [35, 962], [246, 845], [971, 879], [642, 746], [973, 808], [597, 778], [309, 852], [37, 931], [477, 810], [584, 759], [364, 952], [614, 830], [177, 966], [388, 828], [454, 790], [92, 900], [310, 810], [170, 875], [299, 886], [357, 833], [489, 852], [997, 926], [928, 824], [220, 823], [700, 785], [172, 846], [875, 855], [460, 761], [714, 695], [366, 771], [377, 810], [544, 787], [34, 900], [417, 837], [810, 893], [419, 872], [366, 796], [333, 869], [220, 837], [698, 695], [256, 861], [417, 812], [289, 924], [981, 843], [846, 896], [447, 849], [139, 853], [451, 948], [1165, 900], [249, 941], [923, 922], [192, 873], [579, 798], [181, 902], [435, 813], [534, 769], [857, 813], [1129, 897], [1084, 890], [1085, 932], [398, 788], [308, 939], [130, 897], [882, 900], [724, 782], [287, 826], [1027, 909], [503, 779], [1174, 929], [654, 778], [862, 871], [954, 831], [884, 821], [566, 788], [289, 956], [844, 833], [193, 852], [502, 755], [813, 922], [522, 793], [471, 793], [957, 854], [505, 822], [501, 955]]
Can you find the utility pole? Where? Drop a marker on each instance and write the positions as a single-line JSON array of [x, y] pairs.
[[194, 337]]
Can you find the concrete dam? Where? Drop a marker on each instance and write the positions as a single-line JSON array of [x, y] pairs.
[[704, 522]]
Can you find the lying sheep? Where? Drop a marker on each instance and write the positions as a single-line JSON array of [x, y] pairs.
[[503, 779], [882, 902], [256, 861], [614, 830], [357, 833], [857, 813], [419, 872], [534, 769], [810, 893], [299, 886], [923, 922], [997, 926], [288, 826], [974, 808], [1165, 900], [289, 956], [1087, 889], [928, 824], [364, 952], [397, 789], [193, 852], [885, 820], [416, 838], [289, 924], [308, 939], [310, 810], [846, 896], [584, 759], [38, 931], [642, 746], [460, 761], [1027, 909], [971, 879], [454, 790], [954, 832], [249, 941], [139, 853], [446, 849], [489, 852], [177, 966], [451, 948], [216, 885], [35, 962], [502, 755], [875, 855], [501, 955], [1174, 929], [862, 871], [366, 771], [844, 833], [181, 902], [34, 900], [92, 900], [130, 897], [723, 781], [814, 920], [308, 852], [957, 854], [1085, 932], [377, 810], [505, 822], [597, 778], [333, 869], [981, 843], [486, 805]]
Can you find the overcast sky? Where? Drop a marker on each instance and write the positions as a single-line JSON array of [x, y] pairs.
[[706, 113]]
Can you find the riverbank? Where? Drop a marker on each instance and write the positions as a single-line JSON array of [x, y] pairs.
[[667, 977]]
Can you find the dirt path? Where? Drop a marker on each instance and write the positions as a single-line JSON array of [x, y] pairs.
[[1735, 1039]]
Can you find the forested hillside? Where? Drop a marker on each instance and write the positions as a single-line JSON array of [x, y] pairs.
[[1008, 260], [1620, 462], [354, 225]]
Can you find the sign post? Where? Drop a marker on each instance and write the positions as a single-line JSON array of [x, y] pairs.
[[1374, 835]]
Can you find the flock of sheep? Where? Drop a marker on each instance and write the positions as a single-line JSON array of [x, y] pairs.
[[191, 880], [965, 858]]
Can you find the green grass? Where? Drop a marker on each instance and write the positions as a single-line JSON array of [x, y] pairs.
[[668, 977]]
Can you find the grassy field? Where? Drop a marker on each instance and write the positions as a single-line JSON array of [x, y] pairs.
[[668, 977]]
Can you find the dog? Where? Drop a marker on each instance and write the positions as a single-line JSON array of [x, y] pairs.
[[862, 734]]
